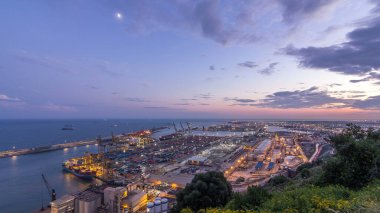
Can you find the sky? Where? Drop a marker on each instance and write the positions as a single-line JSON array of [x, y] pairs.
[[251, 59]]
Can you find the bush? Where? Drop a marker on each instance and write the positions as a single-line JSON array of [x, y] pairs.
[[206, 190], [252, 199]]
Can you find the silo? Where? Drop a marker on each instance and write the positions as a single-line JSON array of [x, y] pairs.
[[150, 207], [157, 206], [164, 205]]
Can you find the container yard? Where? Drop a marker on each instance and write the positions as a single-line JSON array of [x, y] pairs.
[[142, 173]]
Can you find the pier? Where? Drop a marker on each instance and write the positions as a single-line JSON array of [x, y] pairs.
[[35, 150], [26, 151]]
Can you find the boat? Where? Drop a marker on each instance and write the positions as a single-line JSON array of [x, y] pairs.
[[85, 175], [68, 127]]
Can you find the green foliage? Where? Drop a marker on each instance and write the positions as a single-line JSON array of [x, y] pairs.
[[206, 190], [357, 159], [305, 173], [278, 180], [354, 131], [252, 199], [311, 198], [305, 166]]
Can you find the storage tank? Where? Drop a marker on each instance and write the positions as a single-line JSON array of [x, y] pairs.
[[150, 207], [157, 206], [164, 205]]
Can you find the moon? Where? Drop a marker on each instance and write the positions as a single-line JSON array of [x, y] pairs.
[[118, 15]]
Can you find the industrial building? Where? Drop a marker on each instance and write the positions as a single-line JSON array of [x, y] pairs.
[[87, 202], [64, 204], [135, 200], [197, 160], [113, 198]]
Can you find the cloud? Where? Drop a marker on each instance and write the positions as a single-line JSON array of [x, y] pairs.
[[370, 76], [209, 18], [334, 85], [57, 108], [64, 65], [139, 100], [298, 10], [268, 70], [45, 61], [188, 99], [182, 104], [372, 102], [163, 108], [240, 100], [248, 64], [5, 98], [205, 96], [309, 98], [357, 56], [106, 67], [212, 67]]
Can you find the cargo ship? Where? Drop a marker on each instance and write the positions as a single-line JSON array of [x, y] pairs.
[[75, 169], [68, 127]]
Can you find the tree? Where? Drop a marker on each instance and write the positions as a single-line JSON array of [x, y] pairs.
[[251, 200], [355, 164], [206, 190], [305, 173]]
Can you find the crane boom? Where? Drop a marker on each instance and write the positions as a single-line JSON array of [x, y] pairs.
[[183, 130], [175, 128], [188, 126], [50, 190]]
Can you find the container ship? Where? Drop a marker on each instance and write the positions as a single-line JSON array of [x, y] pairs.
[[74, 167]]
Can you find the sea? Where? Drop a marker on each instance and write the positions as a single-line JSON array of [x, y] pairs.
[[21, 186]]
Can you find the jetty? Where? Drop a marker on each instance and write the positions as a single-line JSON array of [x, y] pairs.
[[34, 150]]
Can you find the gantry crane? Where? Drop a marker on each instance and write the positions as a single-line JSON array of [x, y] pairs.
[[183, 130], [175, 128], [50, 190]]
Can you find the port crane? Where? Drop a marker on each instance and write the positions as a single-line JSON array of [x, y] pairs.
[[50, 190], [175, 128], [188, 125], [183, 130]]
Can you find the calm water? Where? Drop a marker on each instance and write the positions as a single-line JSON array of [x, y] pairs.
[[20, 177]]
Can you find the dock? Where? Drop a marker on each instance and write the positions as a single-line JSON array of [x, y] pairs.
[[35, 150]]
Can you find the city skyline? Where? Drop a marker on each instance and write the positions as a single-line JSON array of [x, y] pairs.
[[190, 59]]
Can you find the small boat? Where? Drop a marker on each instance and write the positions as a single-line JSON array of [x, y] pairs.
[[68, 127]]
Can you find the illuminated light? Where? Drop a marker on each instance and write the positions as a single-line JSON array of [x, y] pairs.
[[118, 15], [14, 157], [87, 145], [65, 149], [174, 186]]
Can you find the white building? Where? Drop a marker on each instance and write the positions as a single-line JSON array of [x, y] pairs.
[[64, 204]]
